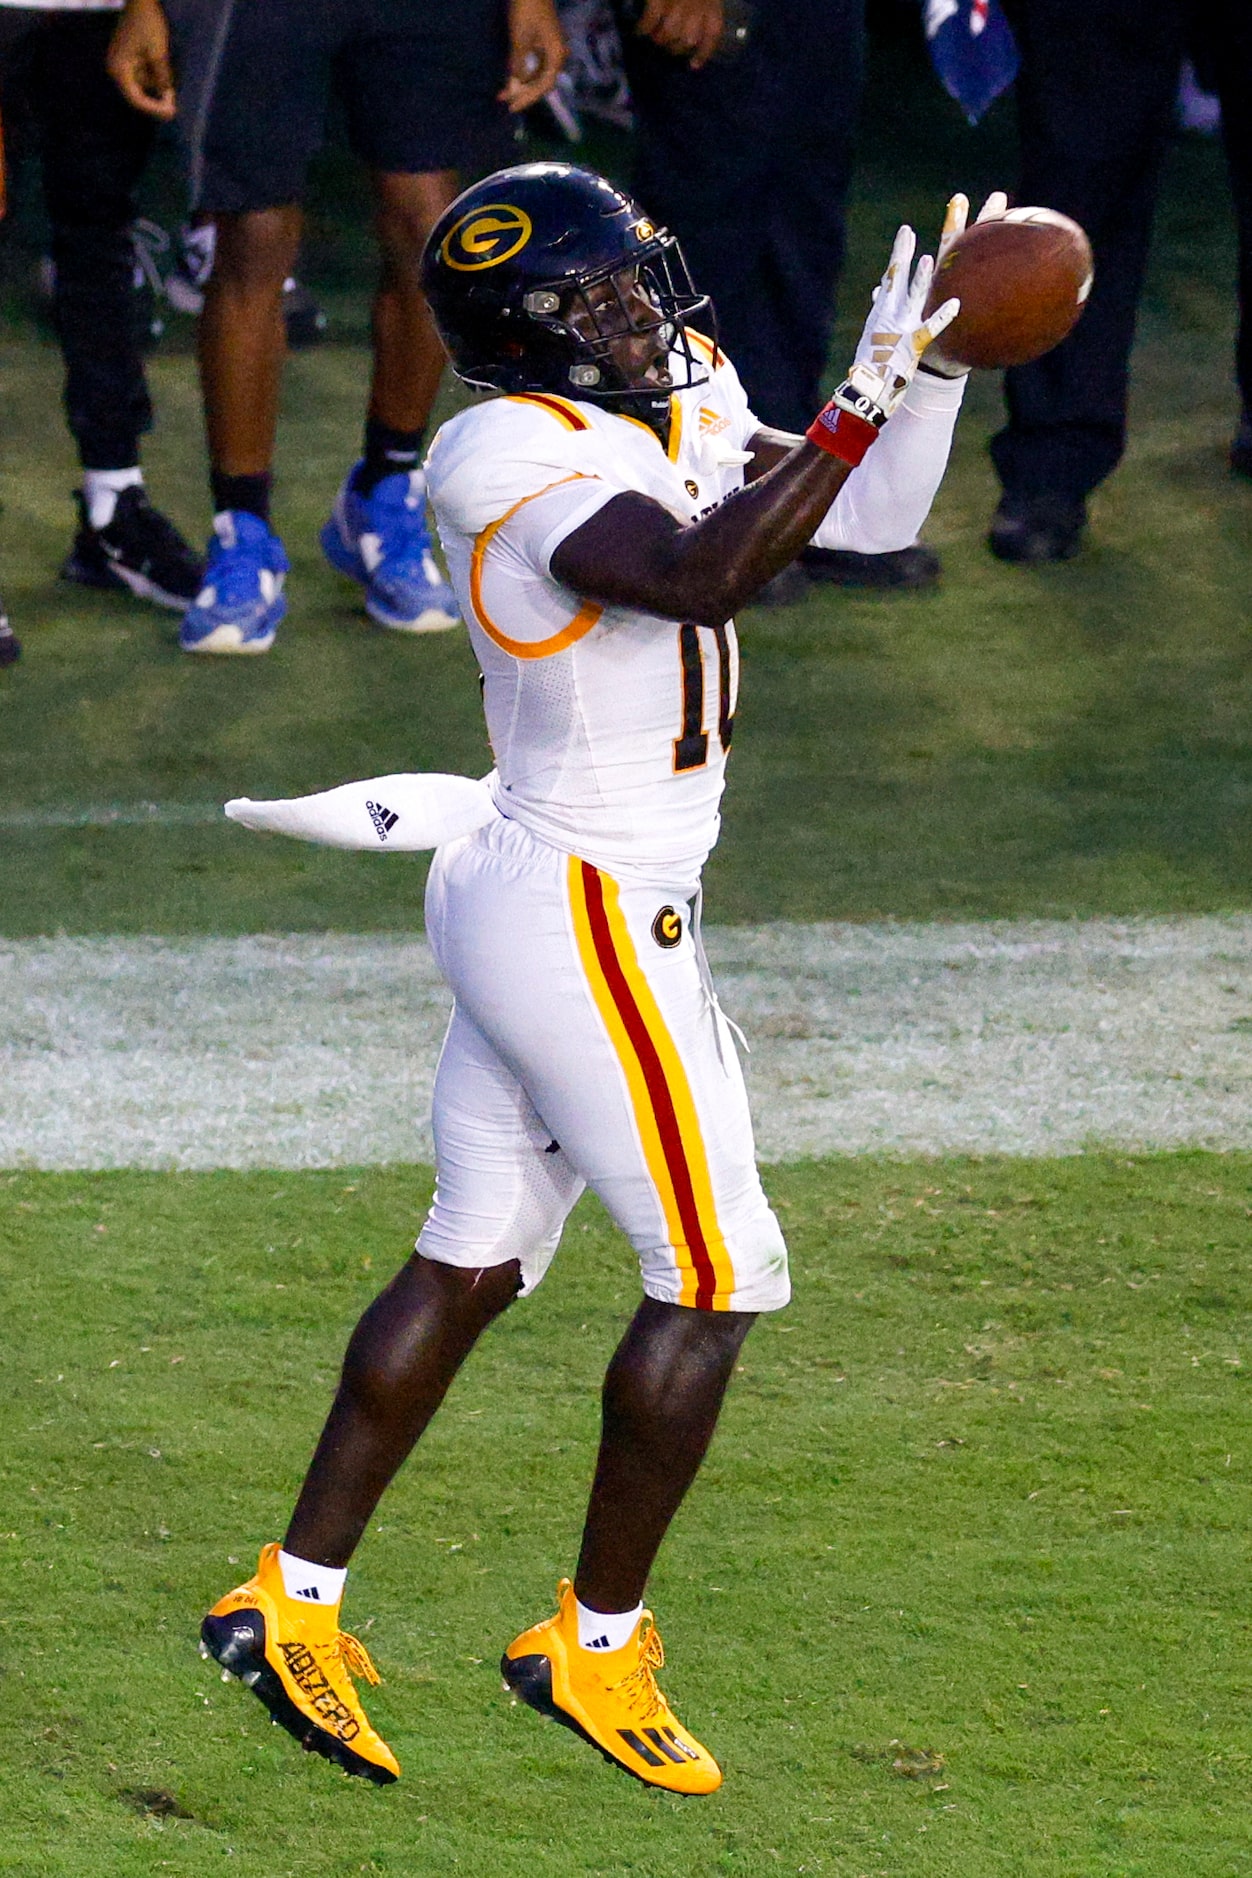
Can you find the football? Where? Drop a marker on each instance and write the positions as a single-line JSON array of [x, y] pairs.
[[1022, 281]]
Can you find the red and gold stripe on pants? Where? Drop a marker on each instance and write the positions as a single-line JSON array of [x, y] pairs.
[[660, 1093]]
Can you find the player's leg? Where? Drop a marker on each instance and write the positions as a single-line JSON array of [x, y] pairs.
[[503, 1194], [252, 101], [662, 1397], [608, 1018]]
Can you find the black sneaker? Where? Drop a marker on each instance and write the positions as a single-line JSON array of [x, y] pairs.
[[140, 550], [10, 644], [1031, 530], [902, 568]]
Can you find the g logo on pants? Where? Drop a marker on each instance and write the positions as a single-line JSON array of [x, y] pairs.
[[667, 928]]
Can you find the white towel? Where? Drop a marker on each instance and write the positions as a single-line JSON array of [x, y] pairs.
[[406, 813]]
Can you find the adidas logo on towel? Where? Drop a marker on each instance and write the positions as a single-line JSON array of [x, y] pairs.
[[384, 819]]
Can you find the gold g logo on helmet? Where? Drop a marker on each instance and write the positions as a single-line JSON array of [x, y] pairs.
[[486, 237]]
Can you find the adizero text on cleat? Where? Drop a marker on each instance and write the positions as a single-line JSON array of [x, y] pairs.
[[611, 1698], [295, 1658]]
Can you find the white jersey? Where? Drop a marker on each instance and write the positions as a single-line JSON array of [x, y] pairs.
[[610, 727]]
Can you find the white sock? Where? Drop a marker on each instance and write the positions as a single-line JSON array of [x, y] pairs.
[[606, 1630], [310, 1584], [101, 488]]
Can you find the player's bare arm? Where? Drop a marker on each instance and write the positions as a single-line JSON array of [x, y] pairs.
[[634, 553], [139, 59]]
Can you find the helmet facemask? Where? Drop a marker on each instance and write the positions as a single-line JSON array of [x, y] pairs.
[[598, 321]]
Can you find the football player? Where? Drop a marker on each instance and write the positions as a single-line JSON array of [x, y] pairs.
[[603, 517]]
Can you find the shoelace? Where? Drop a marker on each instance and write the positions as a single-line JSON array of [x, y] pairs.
[[355, 1658], [638, 1687], [346, 1652]]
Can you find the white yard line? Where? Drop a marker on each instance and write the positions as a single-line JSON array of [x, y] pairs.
[[1013, 1038]]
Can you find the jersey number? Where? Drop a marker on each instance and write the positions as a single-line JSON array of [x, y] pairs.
[[691, 748]]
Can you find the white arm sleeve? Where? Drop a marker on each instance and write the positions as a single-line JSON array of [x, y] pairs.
[[887, 497], [404, 813]]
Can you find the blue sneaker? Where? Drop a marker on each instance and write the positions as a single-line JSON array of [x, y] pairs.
[[241, 602], [382, 541]]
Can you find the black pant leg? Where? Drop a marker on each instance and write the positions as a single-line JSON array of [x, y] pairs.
[[94, 150], [1224, 53], [1095, 102], [748, 161]]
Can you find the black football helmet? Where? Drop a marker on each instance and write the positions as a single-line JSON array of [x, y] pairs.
[[508, 271]]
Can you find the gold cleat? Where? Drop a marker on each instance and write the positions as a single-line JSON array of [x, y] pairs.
[[295, 1658], [610, 1698]]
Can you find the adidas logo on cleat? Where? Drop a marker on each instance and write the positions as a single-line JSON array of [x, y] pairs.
[[383, 818], [597, 1643], [312, 1593], [670, 1746]]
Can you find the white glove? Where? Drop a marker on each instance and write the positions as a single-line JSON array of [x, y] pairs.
[[895, 335], [955, 217], [405, 812]]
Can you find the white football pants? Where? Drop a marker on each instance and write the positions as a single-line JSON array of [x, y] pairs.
[[584, 1050]]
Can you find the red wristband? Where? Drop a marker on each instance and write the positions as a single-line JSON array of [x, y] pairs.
[[841, 433]]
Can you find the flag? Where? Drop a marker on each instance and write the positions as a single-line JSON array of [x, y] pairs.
[[973, 49]]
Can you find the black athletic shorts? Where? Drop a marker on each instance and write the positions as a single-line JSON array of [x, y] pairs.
[[417, 80]]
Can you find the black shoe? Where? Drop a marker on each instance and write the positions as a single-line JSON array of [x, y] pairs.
[[913, 567], [1241, 447], [140, 550], [786, 589], [1030, 530], [10, 644]]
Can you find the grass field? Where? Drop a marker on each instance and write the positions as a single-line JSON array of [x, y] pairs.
[[961, 1592]]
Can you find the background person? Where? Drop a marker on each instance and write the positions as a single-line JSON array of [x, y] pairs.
[[1096, 96], [745, 124], [93, 149], [428, 92]]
